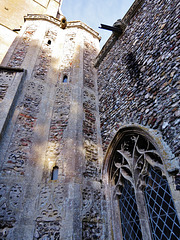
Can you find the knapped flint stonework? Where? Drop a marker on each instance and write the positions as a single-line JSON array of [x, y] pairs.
[[59, 115], [138, 79], [138, 85]]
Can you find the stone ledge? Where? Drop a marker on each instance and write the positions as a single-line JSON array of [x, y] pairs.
[[56, 21], [12, 69], [43, 17], [83, 26], [113, 38]]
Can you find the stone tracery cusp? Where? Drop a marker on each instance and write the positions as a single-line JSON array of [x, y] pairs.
[[133, 157]]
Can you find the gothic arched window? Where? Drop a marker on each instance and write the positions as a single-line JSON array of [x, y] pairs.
[[139, 184]]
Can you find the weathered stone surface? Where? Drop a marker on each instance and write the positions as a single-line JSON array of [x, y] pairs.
[[138, 79], [51, 119]]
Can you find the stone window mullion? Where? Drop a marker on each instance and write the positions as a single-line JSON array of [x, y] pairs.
[[143, 215]]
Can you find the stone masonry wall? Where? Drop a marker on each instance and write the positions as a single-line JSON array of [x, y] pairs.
[[138, 79], [17, 147], [55, 125], [92, 218]]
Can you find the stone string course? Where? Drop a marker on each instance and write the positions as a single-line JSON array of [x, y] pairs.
[[138, 80]]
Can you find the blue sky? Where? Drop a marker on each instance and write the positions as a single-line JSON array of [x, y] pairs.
[[95, 12]]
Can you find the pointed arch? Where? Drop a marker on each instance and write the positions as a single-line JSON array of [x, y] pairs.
[[133, 156]]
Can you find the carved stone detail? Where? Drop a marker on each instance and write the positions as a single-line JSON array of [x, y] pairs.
[[92, 219], [48, 222], [14, 195], [51, 193], [22, 138], [133, 156], [6, 79], [20, 51], [10, 200]]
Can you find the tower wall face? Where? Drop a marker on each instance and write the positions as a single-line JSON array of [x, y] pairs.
[[51, 122], [58, 179]]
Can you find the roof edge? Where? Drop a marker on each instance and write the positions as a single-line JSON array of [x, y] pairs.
[[114, 37], [57, 21]]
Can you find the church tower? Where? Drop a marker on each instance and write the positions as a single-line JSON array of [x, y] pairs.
[[50, 136]]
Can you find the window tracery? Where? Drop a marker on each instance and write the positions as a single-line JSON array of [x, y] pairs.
[[134, 163]]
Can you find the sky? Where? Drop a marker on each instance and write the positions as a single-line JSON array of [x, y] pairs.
[[95, 12]]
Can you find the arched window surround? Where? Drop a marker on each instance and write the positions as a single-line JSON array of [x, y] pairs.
[[164, 154]]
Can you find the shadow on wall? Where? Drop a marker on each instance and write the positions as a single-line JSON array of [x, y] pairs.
[[40, 136]]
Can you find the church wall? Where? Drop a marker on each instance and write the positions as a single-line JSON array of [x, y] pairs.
[[138, 85], [138, 78], [48, 124]]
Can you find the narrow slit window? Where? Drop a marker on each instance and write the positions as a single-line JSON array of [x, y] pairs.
[[55, 173], [65, 79]]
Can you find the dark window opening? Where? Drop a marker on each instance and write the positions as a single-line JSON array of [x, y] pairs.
[[49, 42], [129, 215], [54, 175], [65, 79]]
